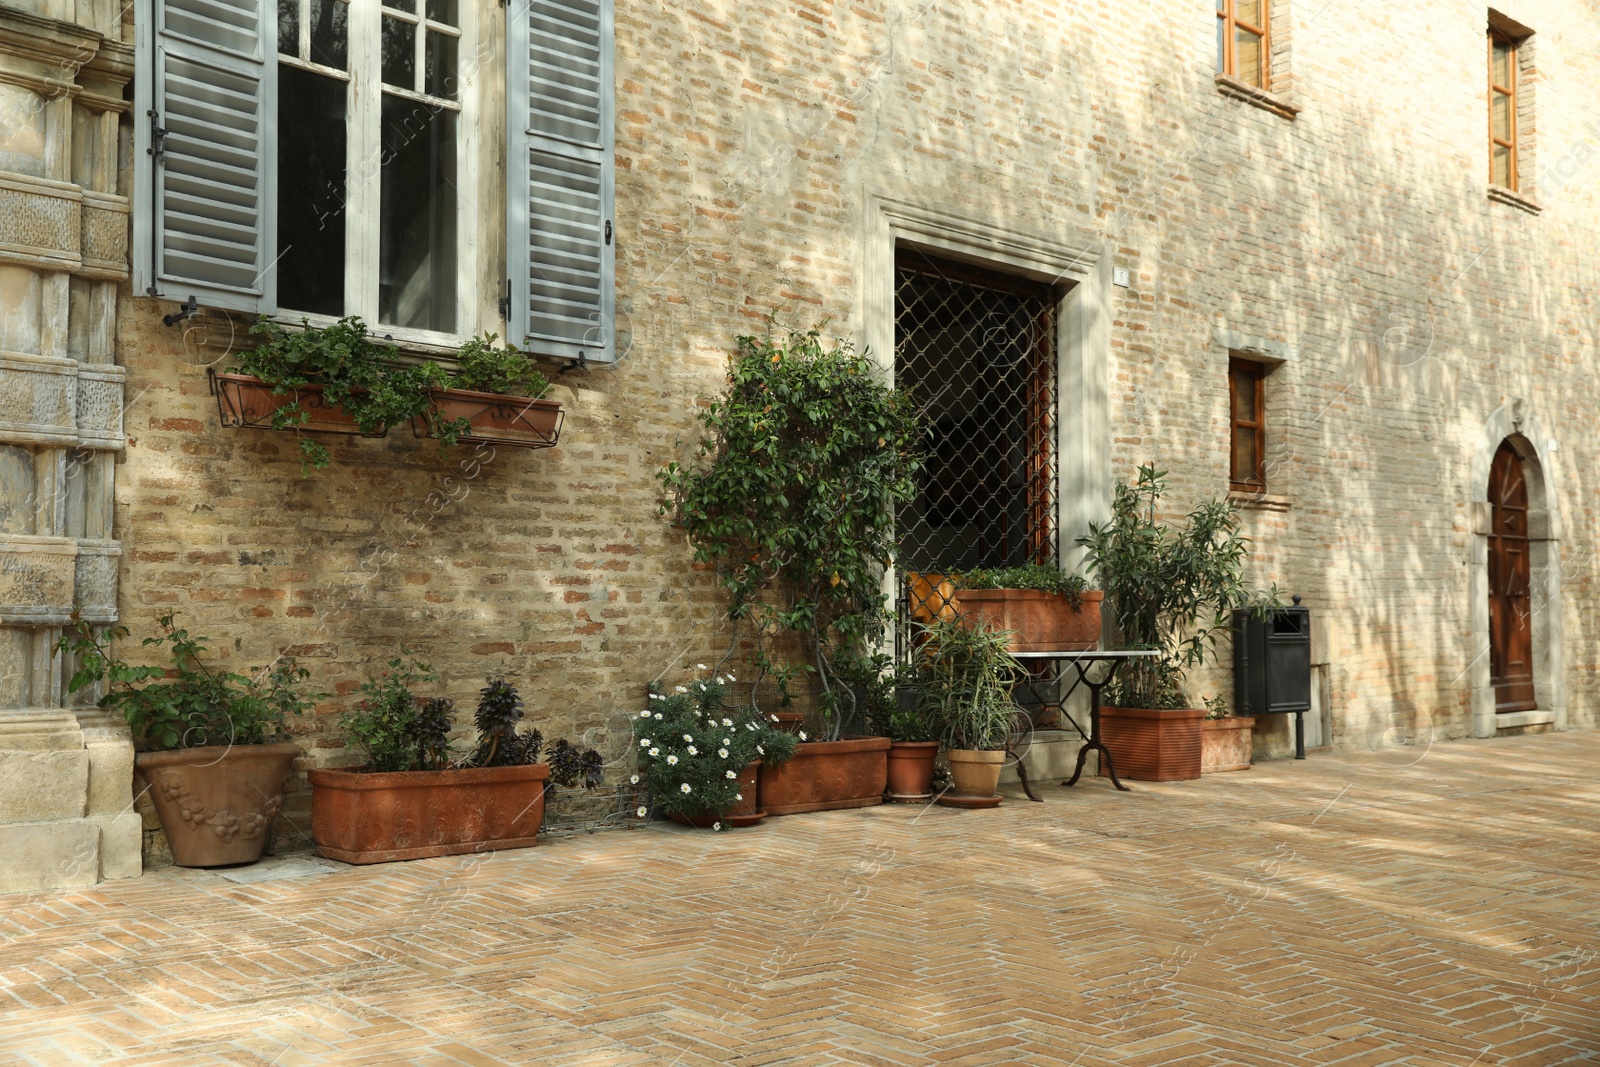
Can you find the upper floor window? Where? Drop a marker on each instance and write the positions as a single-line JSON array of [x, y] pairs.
[[1242, 44], [1502, 109], [1247, 419]]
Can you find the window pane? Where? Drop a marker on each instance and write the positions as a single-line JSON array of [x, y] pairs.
[[1248, 11], [1244, 456], [328, 33], [1247, 56], [1222, 45], [1243, 387], [1500, 115], [1500, 172], [417, 227], [402, 5], [442, 11], [1502, 64], [311, 192], [399, 53], [441, 59], [289, 27]]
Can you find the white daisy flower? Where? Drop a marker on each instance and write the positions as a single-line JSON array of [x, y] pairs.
[[644, 742], [682, 689], [716, 826], [727, 740], [634, 780], [727, 722], [730, 676], [655, 752], [719, 679], [802, 735], [672, 761], [761, 750], [747, 726], [645, 714], [688, 737], [693, 751], [722, 752], [658, 715], [701, 667], [658, 696], [642, 812], [685, 788], [731, 774], [738, 796]]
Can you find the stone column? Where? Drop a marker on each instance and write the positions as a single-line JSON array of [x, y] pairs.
[[66, 814]]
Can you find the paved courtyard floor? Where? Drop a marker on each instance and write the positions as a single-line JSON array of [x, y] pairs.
[[1409, 906]]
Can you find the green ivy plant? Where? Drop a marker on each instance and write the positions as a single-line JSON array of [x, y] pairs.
[[1044, 578], [805, 457], [1170, 587], [965, 674], [485, 367], [187, 703]]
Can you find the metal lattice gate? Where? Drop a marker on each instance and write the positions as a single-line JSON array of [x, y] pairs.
[[977, 352]]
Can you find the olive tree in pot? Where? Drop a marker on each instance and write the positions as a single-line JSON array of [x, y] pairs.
[[212, 742], [1172, 588], [965, 675]]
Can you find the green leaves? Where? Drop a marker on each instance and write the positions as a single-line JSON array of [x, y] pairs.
[[1038, 576], [965, 673], [692, 738]]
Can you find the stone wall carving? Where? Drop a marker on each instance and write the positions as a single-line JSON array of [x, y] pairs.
[[104, 241], [37, 575], [100, 407], [96, 576], [38, 399], [40, 223]]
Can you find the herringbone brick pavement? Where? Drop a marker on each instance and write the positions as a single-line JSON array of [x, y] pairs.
[[1435, 906]]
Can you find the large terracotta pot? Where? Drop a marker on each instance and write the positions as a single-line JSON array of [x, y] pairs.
[[746, 812], [409, 815], [975, 772], [244, 400], [1225, 744], [1041, 622], [1153, 745], [494, 417], [217, 803], [825, 775], [911, 770]]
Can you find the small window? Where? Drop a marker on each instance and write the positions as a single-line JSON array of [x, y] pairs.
[[1247, 418], [1502, 110], [1242, 45]]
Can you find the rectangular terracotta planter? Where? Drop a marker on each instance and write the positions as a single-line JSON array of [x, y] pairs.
[[243, 400], [1041, 622], [827, 775], [1225, 744], [494, 418], [409, 815], [1151, 745]]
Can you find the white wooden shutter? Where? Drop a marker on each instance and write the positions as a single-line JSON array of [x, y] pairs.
[[559, 192], [205, 152]]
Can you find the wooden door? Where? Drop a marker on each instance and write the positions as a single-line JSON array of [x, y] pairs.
[[1510, 607]]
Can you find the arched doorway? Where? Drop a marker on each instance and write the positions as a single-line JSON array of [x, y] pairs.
[[1510, 585]]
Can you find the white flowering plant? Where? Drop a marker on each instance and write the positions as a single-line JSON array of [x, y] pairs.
[[692, 747]]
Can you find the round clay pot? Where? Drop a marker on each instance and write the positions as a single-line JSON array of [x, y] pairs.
[[975, 772], [911, 770], [217, 803]]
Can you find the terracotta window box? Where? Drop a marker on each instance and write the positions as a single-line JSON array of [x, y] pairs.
[[1042, 622], [1225, 744], [828, 775], [243, 400], [408, 815], [1151, 745], [494, 418]]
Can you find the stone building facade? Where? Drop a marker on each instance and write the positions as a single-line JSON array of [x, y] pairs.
[[1335, 227]]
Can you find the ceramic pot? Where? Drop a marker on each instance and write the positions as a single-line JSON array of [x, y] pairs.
[[911, 770], [975, 772], [493, 417], [217, 803]]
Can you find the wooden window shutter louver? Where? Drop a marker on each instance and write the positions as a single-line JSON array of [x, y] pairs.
[[559, 162], [205, 152]]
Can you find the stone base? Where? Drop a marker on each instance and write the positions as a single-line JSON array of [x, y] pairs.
[[1047, 754]]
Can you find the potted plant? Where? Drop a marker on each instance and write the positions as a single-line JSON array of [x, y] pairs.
[[701, 761], [1225, 739], [1046, 609], [212, 742], [965, 674], [1171, 587], [414, 798], [887, 704], [495, 395]]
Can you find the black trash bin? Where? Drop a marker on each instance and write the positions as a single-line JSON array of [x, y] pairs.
[[1272, 666]]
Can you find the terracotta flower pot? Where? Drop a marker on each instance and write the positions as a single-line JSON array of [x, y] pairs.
[[408, 815], [243, 400], [217, 803], [1041, 622], [1225, 744], [1153, 745], [746, 812], [975, 772], [494, 417], [911, 770], [825, 775]]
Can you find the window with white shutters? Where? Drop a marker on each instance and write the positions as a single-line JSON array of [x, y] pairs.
[[559, 180], [204, 145]]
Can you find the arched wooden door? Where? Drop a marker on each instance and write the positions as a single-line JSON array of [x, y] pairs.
[[1510, 607]]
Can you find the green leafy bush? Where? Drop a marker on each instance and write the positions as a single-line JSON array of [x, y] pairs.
[[1169, 587], [489, 368], [692, 747], [805, 457], [1041, 577], [965, 674], [186, 704], [392, 726]]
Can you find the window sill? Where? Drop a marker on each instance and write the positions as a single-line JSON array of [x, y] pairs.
[[1510, 196], [423, 344], [1250, 501], [1228, 85]]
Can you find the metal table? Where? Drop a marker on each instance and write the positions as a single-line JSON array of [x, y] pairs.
[[1082, 663]]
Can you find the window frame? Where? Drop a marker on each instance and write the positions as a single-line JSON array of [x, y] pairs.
[[363, 180], [1510, 93], [1230, 24], [1258, 427]]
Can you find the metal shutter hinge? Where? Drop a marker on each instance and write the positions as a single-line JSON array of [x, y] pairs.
[[158, 137], [505, 302], [608, 231]]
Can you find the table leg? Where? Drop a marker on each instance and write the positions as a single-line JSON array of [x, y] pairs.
[[1093, 741], [1022, 776]]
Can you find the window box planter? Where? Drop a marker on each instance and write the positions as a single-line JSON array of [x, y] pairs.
[[828, 775], [243, 400], [408, 815], [216, 803], [746, 813], [1041, 622], [1150, 745], [495, 418], [1225, 744]]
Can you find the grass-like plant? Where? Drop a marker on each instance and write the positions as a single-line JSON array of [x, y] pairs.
[[965, 674]]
